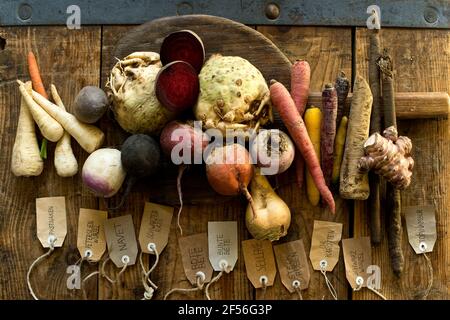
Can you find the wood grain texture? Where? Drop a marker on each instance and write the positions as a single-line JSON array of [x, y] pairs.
[[422, 63], [328, 51], [70, 59], [408, 105]]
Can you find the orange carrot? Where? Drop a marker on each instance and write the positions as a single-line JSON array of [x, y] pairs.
[[288, 112], [300, 80], [38, 86], [35, 76]]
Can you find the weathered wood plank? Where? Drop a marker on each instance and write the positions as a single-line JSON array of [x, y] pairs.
[[70, 59], [422, 63], [328, 50]]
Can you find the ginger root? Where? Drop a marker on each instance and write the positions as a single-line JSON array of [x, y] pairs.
[[389, 156]]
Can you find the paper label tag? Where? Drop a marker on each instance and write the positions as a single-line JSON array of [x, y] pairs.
[[421, 226], [51, 220], [222, 244], [357, 257], [259, 262], [121, 240], [325, 244], [91, 233], [292, 264], [155, 227], [194, 254]]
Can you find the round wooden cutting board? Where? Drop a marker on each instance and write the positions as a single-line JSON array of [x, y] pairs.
[[219, 35]]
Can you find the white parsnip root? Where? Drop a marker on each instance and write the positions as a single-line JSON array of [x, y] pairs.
[[50, 128], [88, 136], [65, 162], [26, 160]]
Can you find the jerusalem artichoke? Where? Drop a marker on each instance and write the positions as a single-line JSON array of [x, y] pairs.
[[389, 157]]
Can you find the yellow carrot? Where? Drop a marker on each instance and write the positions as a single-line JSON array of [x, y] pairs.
[[339, 145], [313, 122]]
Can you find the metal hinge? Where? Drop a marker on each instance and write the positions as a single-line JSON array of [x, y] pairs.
[[399, 13]]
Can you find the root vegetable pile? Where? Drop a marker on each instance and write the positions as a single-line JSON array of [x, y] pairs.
[[294, 123]]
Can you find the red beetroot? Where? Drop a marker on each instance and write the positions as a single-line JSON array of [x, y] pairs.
[[184, 45], [177, 86]]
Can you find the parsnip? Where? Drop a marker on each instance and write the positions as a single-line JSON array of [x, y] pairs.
[[25, 159], [88, 136], [354, 184], [50, 128], [65, 162]]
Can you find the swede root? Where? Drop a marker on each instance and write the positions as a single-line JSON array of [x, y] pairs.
[[354, 184], [88, 136], [49, 127], [65, 162], [26, 160], [294, 123]]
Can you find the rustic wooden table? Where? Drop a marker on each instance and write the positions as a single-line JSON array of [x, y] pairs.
[[75, 58]]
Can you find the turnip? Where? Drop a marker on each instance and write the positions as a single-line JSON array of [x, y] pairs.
[[90, 104], [184, 45], [177, 86], [103, 172], [140, 156], [229, 171], [176, 138], [273, 149]]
